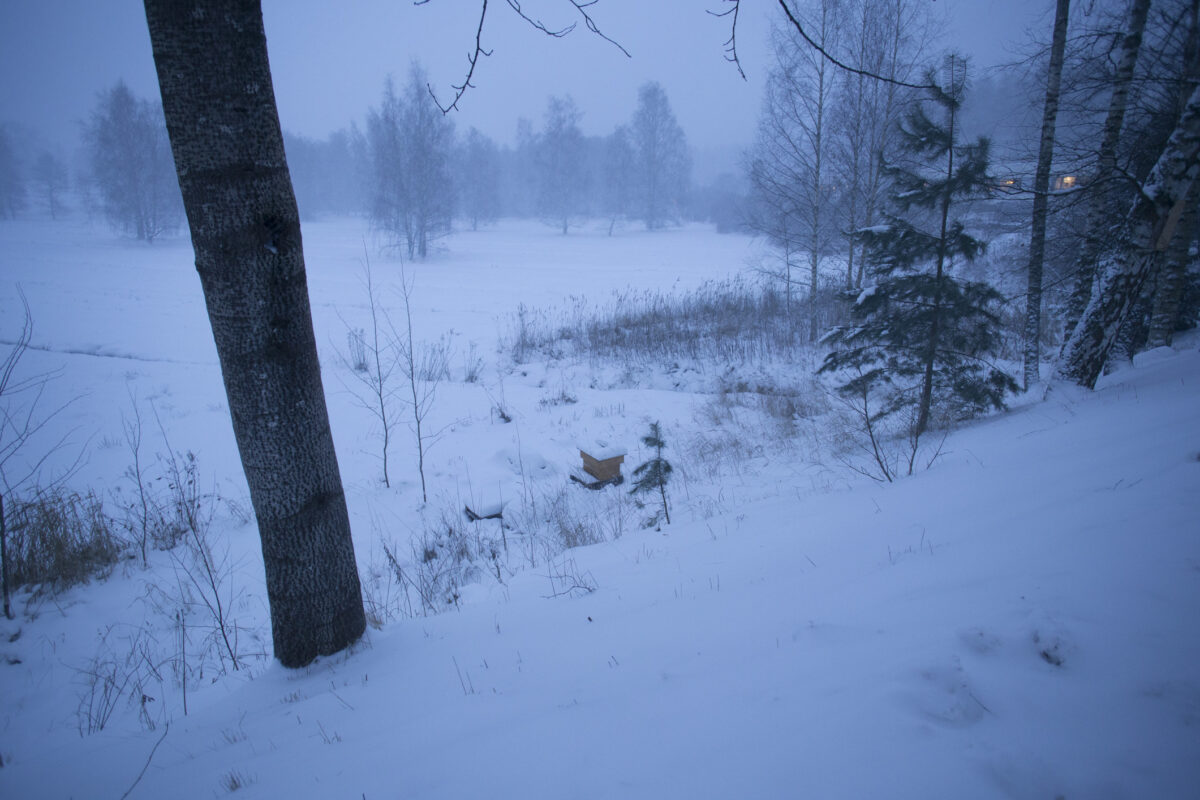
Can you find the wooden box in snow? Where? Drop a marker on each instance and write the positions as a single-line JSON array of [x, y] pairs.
[[603, 463]]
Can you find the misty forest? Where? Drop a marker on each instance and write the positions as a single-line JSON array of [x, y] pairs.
[[427, 458]]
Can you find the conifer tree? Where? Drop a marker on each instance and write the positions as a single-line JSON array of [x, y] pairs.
[[655, 473], [919, 334]]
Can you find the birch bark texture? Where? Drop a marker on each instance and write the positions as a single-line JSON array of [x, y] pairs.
[[219, 103], [1100, 205], [1152, 226]]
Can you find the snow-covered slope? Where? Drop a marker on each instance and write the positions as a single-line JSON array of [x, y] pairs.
[[1016, 621]]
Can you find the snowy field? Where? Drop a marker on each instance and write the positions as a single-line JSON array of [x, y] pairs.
[[1016, 621]]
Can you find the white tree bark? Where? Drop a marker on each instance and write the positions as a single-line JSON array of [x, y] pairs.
[[1152, 224]]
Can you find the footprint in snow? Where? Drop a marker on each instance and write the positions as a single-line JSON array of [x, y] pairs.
[[944, 694]]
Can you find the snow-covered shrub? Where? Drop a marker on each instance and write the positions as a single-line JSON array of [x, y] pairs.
[[356, 349], [566, 517], [204, 599], [144, 511], [571, 529], [728, 322], [59, 538], [129, 666], [778, 399], [472, 364], [445, 555]]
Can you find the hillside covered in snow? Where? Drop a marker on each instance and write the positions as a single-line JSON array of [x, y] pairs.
[[1014, 620]]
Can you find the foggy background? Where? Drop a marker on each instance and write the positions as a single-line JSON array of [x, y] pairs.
[[329, 62]]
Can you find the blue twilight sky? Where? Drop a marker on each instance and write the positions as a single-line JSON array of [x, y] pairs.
[[329, 59]]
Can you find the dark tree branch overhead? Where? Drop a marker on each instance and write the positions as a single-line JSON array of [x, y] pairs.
[[581, 6], [731, 53], [472, 60], [841, 65], [537, 23]]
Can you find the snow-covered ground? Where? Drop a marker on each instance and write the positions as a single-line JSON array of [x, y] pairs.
[[1016, 621]]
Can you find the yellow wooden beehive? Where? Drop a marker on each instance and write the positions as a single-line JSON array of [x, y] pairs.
[[603, 463]]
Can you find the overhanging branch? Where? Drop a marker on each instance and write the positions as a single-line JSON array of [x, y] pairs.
[[840, 65], [581, 6], [472, 60], [731, 53]]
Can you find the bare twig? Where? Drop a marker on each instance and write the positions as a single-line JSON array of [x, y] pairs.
[[580, 6], [839, 64], [424, 369], [537, 24], [149, 758], [472, 61], [19, 423], [375, 391], [731, 53]]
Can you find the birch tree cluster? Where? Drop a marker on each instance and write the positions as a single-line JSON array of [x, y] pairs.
[[409, 146], [131, 170], [1132, 144], [816, 168]]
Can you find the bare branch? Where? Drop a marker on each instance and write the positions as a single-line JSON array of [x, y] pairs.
[[581, 6], [538, 24], [149, 758], [472, 60], [18, 349], [21, 417], [855, 70], [731, 53]]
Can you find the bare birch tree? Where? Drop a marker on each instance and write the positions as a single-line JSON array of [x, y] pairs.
[[788, 166], [562, 170], [410, 145], [662, 164], [885, 38]]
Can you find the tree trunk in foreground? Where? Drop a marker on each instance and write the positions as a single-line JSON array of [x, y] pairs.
[[1153, 223], [1169, 292], [219, 103], [1041, 188], [1100, 209]]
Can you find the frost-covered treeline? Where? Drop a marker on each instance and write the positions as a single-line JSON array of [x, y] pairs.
[[407, 168], [416, 177]]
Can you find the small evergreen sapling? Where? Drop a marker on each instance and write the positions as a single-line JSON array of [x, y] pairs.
[[655, 473], [920, 334]]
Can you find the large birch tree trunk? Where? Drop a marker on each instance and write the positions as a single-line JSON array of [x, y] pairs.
[[1152, 225], [1100, 208], [1169, 292], [1041, 189], [219, 102]]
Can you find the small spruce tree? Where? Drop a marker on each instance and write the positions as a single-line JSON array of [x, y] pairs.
[[920, 335], [655, 473]]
